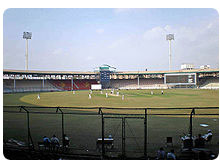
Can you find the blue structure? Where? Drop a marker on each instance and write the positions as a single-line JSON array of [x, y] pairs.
[[105, 71]]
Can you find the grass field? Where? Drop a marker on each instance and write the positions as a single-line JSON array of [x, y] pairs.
[[84, 130], [133, 98]]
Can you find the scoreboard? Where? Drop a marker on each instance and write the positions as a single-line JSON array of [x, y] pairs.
[[180, 79]]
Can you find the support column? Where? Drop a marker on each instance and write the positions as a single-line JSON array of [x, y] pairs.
[[14, 83], [72, 83], [43, 83]]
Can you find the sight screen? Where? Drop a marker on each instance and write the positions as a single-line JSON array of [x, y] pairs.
[[180, 79]]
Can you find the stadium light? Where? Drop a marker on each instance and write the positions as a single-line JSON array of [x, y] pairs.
[[170, 37], [27, 36]]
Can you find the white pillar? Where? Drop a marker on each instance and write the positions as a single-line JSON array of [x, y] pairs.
[[43, 82], [26, 54], [72, 83], [14, 83], [169, 54]]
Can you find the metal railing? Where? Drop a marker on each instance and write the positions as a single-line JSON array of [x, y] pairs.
[[106, 113]]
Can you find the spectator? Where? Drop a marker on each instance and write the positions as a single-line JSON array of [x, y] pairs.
[[171, 155], [199, 141], [161, 154], [38, 96], [206, 136], [66, 141], [46, 139], [47, 142], [54, 142]]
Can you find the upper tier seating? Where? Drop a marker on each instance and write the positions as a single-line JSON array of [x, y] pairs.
[[143, 83], [209, 83]]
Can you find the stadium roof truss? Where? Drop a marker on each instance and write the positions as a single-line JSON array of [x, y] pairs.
[[95, 75]]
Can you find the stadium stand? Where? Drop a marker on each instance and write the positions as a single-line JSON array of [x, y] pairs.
[[77, 84], [27, 85], [27, 81], [209, 83], [149, 83], [49, 85]]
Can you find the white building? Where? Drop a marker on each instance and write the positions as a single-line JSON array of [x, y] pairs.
[[205, 67], [187, 66]]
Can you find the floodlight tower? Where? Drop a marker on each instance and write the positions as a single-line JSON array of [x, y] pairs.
[[27, 36], [170, 37]]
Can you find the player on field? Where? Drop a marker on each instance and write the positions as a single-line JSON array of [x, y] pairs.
[[38, 96], [123, 97]]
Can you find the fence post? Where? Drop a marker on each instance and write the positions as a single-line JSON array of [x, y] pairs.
[[28, 128], [145, 133], [190, 129], [103, 132], [62, 125], [123, 137]]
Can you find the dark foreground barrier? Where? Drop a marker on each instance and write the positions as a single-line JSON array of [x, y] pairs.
[[110, 133]]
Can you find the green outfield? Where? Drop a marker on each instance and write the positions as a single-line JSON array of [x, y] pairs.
[[84, 130], [133, 98]]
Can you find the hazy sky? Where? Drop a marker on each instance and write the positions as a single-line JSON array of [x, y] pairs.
[[128, 39]]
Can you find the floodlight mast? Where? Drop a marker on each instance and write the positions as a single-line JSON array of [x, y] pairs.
[[170, 37], [27, 36]]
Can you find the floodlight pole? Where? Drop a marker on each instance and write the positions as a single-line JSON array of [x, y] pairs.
[[169, 54], [26, 54], [170, 37], [27, 36]]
